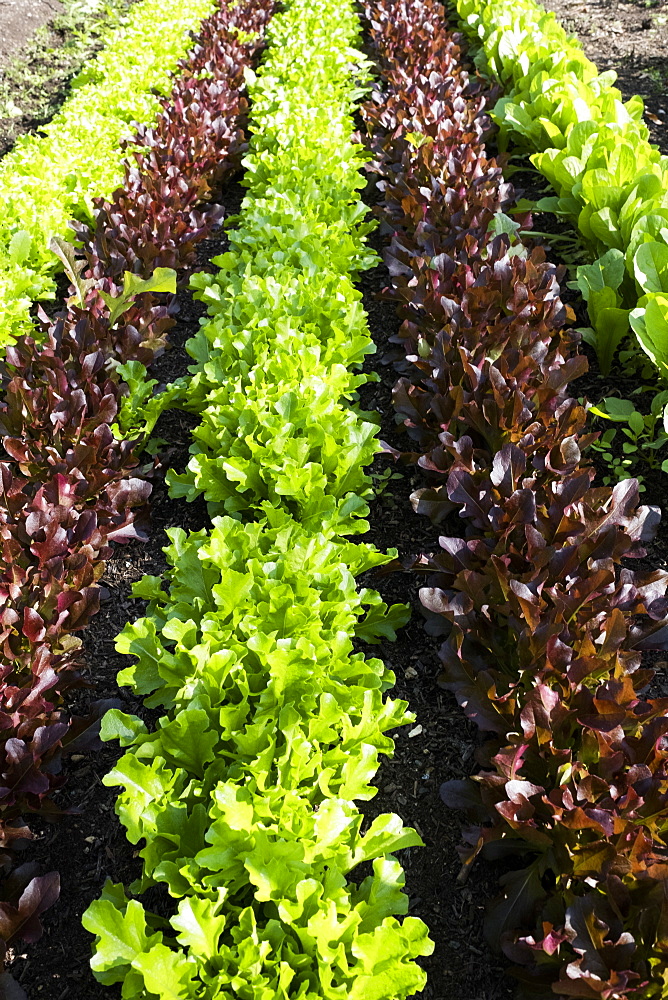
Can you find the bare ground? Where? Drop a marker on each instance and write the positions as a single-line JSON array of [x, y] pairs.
[[19, 20]]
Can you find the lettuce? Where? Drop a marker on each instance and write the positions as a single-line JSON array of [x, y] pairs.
[[243, 796], [540, 620], [48, 179], [273, 385], [594, 150]]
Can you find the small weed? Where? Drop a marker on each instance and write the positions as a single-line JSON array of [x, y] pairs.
[[654, 74], [381, 480], [643, 436], [636, 365]]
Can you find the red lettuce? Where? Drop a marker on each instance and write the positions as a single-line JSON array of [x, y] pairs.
[[543, 622]]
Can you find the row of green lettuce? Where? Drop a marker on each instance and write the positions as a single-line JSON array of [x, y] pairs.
[[244, 794], [51, 177], [594, 150]]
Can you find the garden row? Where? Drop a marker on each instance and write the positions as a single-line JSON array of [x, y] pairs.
[[594, 150], [544, 625], [72, 482], [244, 794], [48, 179]]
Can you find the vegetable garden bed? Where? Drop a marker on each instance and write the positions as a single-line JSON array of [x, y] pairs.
[[268, 771]]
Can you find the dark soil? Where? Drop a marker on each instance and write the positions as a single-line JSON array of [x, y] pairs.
[[631, 37], [42, 46]]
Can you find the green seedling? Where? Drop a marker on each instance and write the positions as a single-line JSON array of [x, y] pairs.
[[644, 436]]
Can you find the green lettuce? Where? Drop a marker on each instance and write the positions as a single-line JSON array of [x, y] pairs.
[[594, 150], [50, 178], [242, 798]]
